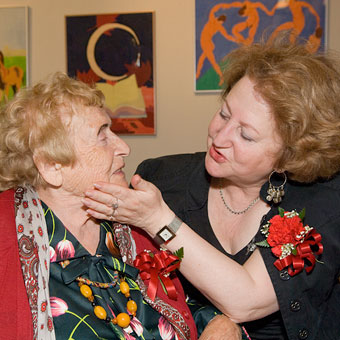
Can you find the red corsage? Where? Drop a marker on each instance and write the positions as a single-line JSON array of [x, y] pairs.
[[295, 244], [155, 270]]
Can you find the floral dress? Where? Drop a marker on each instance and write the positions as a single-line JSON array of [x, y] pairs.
[[73, 314]]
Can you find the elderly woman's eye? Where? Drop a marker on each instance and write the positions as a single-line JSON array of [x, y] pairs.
[[102, 136]]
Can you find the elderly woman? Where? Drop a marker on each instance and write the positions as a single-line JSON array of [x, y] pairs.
[[64, 273], [261, 225]]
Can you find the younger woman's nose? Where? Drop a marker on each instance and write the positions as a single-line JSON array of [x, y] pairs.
[[224, 136]]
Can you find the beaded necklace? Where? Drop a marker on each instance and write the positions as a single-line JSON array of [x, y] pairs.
[[122, 319], [252, 203]]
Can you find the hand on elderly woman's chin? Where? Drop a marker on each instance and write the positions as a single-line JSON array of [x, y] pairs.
[[142, 206], [221, 328]]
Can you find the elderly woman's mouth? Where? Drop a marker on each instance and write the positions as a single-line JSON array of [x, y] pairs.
[[119, 171]]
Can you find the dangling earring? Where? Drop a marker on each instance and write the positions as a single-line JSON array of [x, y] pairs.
[[275, 193]]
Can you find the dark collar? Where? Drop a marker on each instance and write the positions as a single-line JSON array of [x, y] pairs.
[[198, 186], [199, 182]]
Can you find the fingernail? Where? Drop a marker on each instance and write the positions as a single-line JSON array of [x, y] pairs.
[[97, 186]]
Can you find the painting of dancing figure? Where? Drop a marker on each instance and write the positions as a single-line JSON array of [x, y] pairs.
[[13, 51], [221, 26]]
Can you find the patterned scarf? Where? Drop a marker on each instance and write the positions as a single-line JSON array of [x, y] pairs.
[[35, 259]]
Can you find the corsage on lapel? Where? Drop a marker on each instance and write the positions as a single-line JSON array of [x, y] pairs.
[[155, 270], [295, 244]]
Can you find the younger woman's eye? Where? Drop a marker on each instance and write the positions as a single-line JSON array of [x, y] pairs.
[[247, 138], [224, 115]]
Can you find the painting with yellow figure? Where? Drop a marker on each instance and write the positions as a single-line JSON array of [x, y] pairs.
[[13, 51], [115, 51], [222, 26], [124, 99]]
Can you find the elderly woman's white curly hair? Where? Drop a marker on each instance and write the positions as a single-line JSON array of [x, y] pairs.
[[34, 123]]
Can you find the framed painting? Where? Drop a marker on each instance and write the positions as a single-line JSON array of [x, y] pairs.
[[13, 51], [221, 26], [115, 52]]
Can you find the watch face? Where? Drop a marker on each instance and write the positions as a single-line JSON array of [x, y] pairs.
[[166, 234]]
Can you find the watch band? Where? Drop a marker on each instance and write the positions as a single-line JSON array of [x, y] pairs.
[[168, 232]]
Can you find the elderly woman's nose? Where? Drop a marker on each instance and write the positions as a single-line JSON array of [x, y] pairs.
[[122, 148]]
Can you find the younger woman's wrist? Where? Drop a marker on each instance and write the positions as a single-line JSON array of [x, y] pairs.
[[168, 232]]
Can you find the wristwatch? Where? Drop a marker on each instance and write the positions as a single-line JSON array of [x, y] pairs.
[[168, 232]]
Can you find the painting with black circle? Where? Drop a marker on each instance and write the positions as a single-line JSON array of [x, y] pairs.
[[115, 51]]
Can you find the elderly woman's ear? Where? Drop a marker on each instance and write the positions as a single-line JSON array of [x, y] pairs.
[[49, 171]]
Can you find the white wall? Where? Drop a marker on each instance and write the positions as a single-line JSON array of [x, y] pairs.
[[182, 115]]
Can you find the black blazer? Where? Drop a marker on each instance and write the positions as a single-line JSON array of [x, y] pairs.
[[309, 303]]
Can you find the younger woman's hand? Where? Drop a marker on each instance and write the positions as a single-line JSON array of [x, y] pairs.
[[142, 206]]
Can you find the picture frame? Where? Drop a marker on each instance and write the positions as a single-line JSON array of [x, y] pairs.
[[221, 26], [115, 52], [13, 50]]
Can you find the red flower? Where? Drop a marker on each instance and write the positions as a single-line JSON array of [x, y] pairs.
[[40, 231], [293, 243], [50, 324], [284, 230], [43, 306], [25, 204], [20, 228]]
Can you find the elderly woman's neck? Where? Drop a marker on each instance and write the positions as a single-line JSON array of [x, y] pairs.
[[72, 213]]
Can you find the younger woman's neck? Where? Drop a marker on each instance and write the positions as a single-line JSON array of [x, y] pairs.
[[235, 189]]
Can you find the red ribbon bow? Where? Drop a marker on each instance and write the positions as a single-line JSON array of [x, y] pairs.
[[157, 267], [304, 252]]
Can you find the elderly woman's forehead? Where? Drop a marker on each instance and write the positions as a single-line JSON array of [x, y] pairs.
[[68, 113]]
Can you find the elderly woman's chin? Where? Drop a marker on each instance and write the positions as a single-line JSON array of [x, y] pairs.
[[119, 178]]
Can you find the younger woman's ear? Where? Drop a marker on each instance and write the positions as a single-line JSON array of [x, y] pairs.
[[50, 172]]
